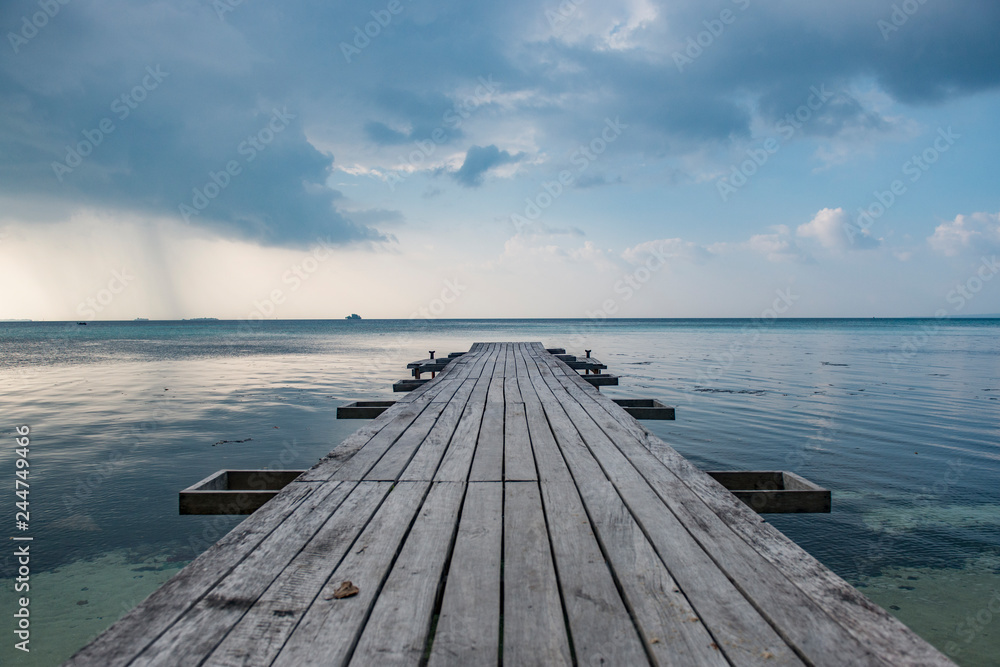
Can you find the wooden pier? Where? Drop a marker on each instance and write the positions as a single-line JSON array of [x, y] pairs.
[[506, 512]]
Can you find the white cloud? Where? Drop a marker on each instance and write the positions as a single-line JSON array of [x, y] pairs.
[[829, 228], [670, 248], [979, 232], [776, 247]]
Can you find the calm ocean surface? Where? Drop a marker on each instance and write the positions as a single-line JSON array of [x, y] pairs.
[[900, 418]]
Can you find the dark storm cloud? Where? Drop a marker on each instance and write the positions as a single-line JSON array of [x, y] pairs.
[[479, 160], [227, 77], [162, 110]]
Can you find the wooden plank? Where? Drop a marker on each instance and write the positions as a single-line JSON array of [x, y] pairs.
[[610, 555], [602, 629], [196, 633], [141, 626], [534, 632], [425, 461], [743, 635], [468, 629], [495, 394], [766, 491], [795, 615], [660, 609], [400, 452], [511, 393], [519, 463], [551, 466], [587, 363], [260, 634], [363, 409], [396, 633], [645, 408], [350, 446], [368, 456], [409, 384], [327, 632], [457, 461], [439, 361], [433, 386], [487, 465], [386, 426], [870, 623], [602, 380]]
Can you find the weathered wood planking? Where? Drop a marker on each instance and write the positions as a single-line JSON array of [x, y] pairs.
[[507, 512], [468, 629], [533, 629]]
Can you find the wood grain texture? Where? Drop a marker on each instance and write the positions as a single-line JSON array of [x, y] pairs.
[[468, 629], [487, 465], [557, 530], [396, 633], [519, 463], [120, 643], [457, 461], [260, 634], [534, 632], [662, 613], [328, 631], [196, 633], [737, 628]]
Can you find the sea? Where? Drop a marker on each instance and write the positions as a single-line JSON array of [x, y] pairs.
[[900, 418]]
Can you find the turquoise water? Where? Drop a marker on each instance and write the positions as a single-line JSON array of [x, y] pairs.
[[900, 418]]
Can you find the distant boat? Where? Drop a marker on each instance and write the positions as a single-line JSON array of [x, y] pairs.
[[141, 319], [353, 316], [83, 324], [201, 319]]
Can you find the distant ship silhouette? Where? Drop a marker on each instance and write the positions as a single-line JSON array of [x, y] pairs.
[[353, 316]]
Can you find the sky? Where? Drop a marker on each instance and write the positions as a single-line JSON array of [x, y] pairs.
[[251, 159]]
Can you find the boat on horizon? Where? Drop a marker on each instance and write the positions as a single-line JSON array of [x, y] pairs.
[[353, 316]]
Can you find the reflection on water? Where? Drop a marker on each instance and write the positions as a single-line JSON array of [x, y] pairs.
[[124, 415]]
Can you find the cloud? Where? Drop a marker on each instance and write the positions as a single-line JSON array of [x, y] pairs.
[[479, 160], [104, 111], [595, 180], [778, 246], [829, 228], [674, 248], [420, 74], [976, 233]]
